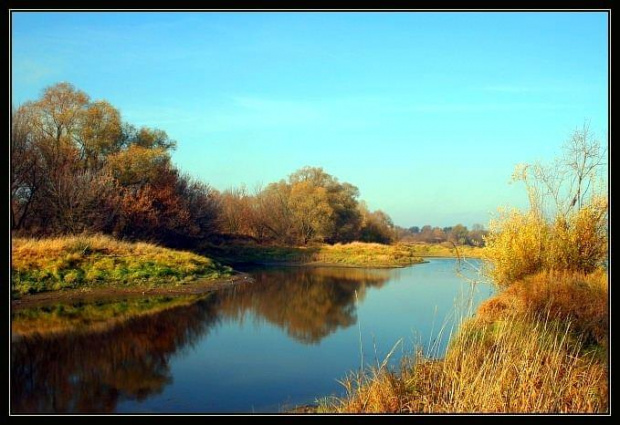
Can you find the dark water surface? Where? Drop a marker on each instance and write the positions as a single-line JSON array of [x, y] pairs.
[[261, 347]]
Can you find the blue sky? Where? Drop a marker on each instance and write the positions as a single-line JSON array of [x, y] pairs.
[[427, 113]]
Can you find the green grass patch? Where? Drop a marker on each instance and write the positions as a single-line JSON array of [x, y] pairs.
[[40, 265]]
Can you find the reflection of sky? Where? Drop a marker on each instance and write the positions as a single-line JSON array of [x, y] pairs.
[[255, 365]]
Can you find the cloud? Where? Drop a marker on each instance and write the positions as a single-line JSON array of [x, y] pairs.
[[28, 71], [510, 89], [552, 87]]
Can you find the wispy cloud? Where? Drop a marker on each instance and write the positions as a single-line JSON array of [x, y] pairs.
[[485, 107], [156, 116], [506, 88], [553, 87], [32, 72], [252, 113]]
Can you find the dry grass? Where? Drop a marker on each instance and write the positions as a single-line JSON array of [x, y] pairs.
[[355, 254], [572, 297], [365, 254], [535, 348], [77, 261], [445, 249]]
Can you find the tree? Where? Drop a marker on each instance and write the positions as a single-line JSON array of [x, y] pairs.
[[458, 234], [568, 182], [565, 227], [311, 211], [277, 215], [99, 133], [342, 199], [60, 111], [377, 226], [136, 165], [477, 235], [75, 166], [26, 172]]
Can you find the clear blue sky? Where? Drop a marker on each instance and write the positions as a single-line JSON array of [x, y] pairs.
[[427, 113]]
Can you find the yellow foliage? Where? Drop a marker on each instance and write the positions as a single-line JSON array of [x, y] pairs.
[[521, 244], [515, 245]]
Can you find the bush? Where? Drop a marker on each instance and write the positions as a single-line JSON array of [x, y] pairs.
[[520, 244]]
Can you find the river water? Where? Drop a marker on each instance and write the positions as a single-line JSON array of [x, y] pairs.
[[283, 340]]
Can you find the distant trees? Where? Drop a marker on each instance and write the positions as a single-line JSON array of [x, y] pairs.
[[457, 234], [77, 166], [309, 206]]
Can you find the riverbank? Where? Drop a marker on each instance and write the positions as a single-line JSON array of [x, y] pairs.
[[540, 346], [445, 250], [104, 294], [102, 263], [355, 254]]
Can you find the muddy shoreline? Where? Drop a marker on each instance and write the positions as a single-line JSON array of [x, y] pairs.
[[92, 294]]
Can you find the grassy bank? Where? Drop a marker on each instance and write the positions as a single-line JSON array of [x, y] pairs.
[[539, 346], [355, 254], [445, 249], [40, 265]]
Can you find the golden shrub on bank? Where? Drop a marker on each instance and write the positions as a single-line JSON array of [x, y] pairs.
[[515, 245], [520, 244]]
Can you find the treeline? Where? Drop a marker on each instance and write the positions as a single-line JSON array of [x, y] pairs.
[[76, 167], [309, 206], [458, 234]]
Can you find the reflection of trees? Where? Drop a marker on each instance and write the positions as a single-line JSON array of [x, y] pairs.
[[92, 371], [82, 372], [309, 303]]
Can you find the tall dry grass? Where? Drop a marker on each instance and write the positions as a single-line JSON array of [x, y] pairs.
[[513, 366], [538, 347]]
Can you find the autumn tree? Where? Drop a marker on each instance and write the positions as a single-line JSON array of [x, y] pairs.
[[237, 215], [565, 227], [26, 168], [311, 212], [75, 166], [458, 234], [54, 189], [345, 220], [376, 226]]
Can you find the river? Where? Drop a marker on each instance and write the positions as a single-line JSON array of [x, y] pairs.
[[283, 340]]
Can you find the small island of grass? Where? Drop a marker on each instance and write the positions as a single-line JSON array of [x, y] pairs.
[[76, 262]]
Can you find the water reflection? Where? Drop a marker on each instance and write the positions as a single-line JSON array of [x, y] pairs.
[[84, 371], [308, 303]]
